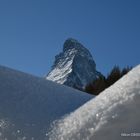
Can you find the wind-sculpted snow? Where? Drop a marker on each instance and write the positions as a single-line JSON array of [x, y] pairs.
[[28, 104], [113, 115], [74, 67]]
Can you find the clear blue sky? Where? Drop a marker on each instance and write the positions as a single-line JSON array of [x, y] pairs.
[[32, 32]]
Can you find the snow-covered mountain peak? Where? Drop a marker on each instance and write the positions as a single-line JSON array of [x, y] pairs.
[[74, 66]]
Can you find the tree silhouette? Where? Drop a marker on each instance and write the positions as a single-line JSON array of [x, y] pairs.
[[96, 86], [101, 83], [114, 76]]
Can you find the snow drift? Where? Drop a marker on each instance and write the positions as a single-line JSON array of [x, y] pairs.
[[29, 104], [112, 115]]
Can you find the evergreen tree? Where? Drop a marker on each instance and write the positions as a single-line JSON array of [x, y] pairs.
[[102, 82], [114, 76], [125, 70], [96, 86]]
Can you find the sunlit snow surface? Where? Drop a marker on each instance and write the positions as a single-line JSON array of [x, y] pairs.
[[28, 104], [113, 115]]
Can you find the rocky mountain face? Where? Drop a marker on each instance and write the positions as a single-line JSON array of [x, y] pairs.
[[74, 66]]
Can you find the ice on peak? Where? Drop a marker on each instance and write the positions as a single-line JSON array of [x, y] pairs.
[[72, 40], [71, 43]]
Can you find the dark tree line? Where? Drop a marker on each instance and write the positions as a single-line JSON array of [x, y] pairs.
[[102, 82]]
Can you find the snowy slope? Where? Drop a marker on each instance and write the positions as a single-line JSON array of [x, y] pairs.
[[113, 115], [29, 104], [74, 66]]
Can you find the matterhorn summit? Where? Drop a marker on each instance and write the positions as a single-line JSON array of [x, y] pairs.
[[74, 66]]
